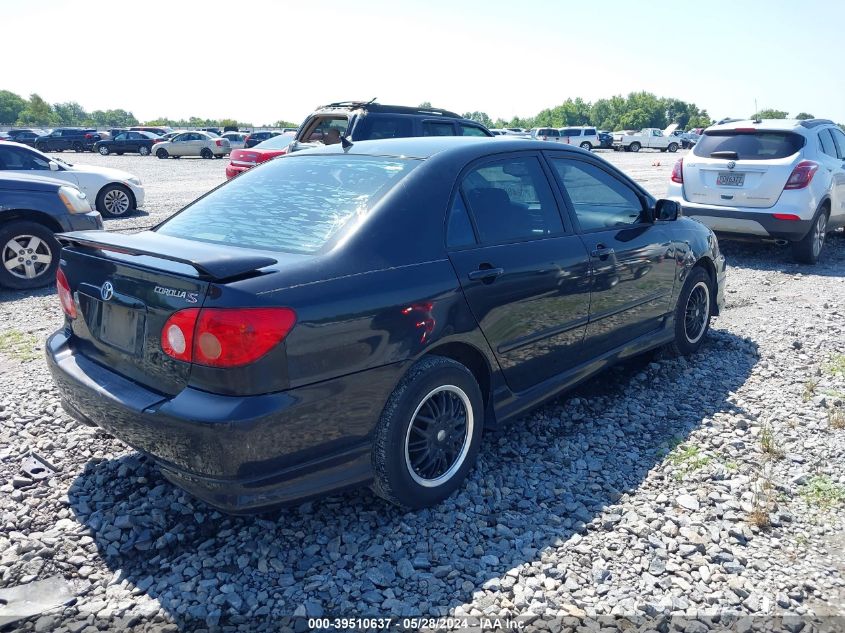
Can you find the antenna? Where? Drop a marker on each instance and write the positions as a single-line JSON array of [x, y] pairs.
[[755, 108]]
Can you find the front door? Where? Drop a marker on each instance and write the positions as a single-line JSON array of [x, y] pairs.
[[524, 272], [632, 258]]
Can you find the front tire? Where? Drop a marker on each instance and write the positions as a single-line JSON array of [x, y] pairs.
[[428, 436], [808, 249], [586, 145], [692, 313], [673, 147], [115, 201], [103, 150], [29, 255], [161, 153]]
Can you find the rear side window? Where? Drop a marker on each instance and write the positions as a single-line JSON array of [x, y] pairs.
[[589, 132], [570, 132], [295, 205], [436, 128], [378, 127], [757, 145], [827, 144], [511, 200], [471, 130], [839, 139], [459, 230]]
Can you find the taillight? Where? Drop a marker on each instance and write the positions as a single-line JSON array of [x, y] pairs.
[[88, 136], [225, 337], [218, 143], [791, 217], [65, 295], [678, 171], [802, 175]]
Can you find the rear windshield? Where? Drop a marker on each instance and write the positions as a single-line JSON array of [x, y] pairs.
[[757, 145], [296, 204]]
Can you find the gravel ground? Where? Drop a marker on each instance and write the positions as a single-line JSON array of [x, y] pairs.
[[708, 490]]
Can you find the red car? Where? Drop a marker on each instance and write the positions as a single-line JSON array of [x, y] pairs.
[[243, 159]]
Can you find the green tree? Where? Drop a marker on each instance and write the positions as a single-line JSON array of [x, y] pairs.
[[283, 123], [70, 113], [11, 106], [770, 113], [802, 116], [479, 117], [425, 104], [37, 112]]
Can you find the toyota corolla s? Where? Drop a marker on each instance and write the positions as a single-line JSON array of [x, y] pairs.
[[358, 315]]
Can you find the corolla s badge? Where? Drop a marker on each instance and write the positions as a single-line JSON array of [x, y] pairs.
[[107, 291], [189, 297], [731, 164]]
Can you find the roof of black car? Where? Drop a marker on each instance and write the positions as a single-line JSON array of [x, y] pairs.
[[372, 106], [428, 146]]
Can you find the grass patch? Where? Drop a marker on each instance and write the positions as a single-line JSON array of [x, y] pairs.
[[809, 389], [762, 501], [768, 442], [19, 345], [836, 418], [688, 457], [822, 492], [836, 365]]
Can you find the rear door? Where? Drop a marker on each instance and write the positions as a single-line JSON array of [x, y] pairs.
[[523, 271], [744, 167], [837, 168], [438, 127], [632, 259]]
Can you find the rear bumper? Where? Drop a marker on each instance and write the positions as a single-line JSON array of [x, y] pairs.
[[748, 224], [238, 454]]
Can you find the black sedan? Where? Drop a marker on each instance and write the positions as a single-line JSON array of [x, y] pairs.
[[32, 210], [357, 315], [27, 136], [605, 140], [128, 143], [255, 138]]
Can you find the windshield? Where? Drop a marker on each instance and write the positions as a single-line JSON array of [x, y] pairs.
[[749, 145], [297, 204], [277, 142]]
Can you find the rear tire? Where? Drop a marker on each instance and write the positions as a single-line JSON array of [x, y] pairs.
[[35, 244], [144, 150], [692, 313], [77, 147], [673, 147], [808, 249], [206, 153], [428, 436], [586, 145], [115, 201], [634, 147], [161, 153]]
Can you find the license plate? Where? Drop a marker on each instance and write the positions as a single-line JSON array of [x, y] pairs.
[[730, 179], [118, 326]]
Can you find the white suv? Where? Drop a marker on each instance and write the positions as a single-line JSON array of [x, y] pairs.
[[584, 137], [774, 180]]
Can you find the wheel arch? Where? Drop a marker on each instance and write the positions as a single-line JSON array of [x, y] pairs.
[[473, 359], [29, 215], [116, 183], [709, 267]]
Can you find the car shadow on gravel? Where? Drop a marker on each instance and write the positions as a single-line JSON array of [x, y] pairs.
[[7, 295], [771, 257], [560, 472]]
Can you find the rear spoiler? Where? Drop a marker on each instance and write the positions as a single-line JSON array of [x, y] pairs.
[[211, 261]]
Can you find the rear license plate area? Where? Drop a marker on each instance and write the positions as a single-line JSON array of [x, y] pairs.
[[119, 326], [730, 179]]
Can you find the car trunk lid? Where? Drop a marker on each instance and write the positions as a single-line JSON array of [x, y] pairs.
[[741, 168], [127, 287]]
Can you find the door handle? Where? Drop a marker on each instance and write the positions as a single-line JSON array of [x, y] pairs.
[[601, 251], [486, 273]]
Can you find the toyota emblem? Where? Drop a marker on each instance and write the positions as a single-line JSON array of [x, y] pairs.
[[107, 291], [731, 164]]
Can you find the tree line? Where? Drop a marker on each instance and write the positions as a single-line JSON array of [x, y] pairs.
[[637, 110]]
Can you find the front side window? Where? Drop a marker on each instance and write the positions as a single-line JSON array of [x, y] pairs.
[[511, 200], [600, 201], [121, 137], [294, 205], [12, 158]]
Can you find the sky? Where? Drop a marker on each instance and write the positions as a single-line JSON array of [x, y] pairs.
[[263, 61]]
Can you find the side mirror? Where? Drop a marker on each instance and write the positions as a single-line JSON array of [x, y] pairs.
[[666, 210], [54, 166]]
